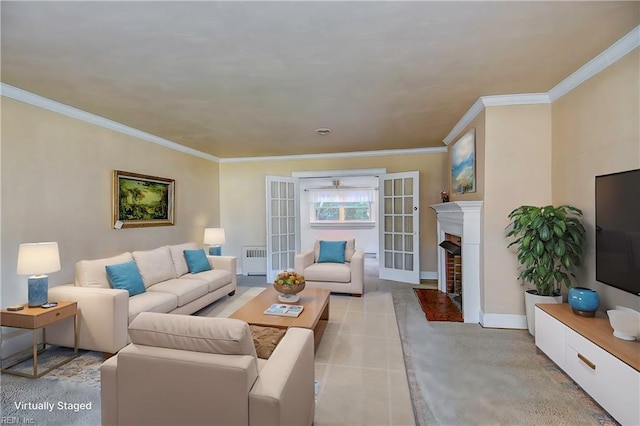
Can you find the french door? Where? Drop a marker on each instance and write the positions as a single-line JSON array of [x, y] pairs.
[[282, 222], [399, 227]]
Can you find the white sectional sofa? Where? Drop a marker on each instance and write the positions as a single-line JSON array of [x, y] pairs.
[[104, 313]]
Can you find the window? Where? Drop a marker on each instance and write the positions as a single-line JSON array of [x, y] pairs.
[[350, 207]]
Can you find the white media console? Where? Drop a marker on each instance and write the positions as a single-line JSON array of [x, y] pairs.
[[606, 367]]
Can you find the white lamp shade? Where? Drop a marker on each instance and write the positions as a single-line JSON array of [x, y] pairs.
[[38, 258], [214, 236]]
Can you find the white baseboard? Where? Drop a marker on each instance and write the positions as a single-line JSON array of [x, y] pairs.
[[503, 321], [428, 275]]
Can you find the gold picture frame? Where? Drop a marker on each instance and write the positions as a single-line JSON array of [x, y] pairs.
[[142, 200]]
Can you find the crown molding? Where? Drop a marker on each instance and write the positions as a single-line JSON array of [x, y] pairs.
[[612, 54], [358, 154], [607, 58], [54, 106]]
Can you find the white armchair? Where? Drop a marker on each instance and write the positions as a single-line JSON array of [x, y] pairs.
[[347, 277]]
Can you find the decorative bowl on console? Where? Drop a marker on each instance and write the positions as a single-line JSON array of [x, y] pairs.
[[289, 284], [583, 301], [625, 323]]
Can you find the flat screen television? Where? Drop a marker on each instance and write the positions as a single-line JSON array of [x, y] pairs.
[[618, 230]]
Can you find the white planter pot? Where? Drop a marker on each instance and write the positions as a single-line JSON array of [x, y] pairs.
[[530, 300]]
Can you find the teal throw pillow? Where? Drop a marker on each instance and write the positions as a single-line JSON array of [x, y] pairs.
[[331, 251], [126, 276], [197, 261]]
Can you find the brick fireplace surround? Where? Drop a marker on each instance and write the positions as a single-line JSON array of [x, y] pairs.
[[462, 219]]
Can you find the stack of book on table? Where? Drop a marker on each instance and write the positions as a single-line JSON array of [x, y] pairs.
[[284, 310]]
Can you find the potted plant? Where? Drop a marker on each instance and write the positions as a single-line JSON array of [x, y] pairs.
[[549, 242]]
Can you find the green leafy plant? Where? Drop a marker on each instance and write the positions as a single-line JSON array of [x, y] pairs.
[[549, 242]]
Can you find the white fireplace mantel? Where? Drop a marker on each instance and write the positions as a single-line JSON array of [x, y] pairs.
[[463, 219]]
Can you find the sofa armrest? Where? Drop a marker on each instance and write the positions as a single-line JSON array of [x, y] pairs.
[[302, 261], [103, 318], [226, 263], [288, 375], [357, 272]]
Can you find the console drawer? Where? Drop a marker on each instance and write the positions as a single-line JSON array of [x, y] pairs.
[[611, 382]]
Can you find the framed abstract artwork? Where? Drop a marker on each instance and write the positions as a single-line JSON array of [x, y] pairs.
[[463, 164], [142, 200]]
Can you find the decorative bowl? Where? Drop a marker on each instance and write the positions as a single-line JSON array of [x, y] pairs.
[[625, 324], [634, 311], [289, 284], [583, 301]]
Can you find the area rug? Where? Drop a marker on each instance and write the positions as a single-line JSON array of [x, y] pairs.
[[464, 374], [437, 305], [68, 395]]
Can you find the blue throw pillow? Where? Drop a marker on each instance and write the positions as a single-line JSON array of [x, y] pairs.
[[197, 261], [331, 251], [126, 276]]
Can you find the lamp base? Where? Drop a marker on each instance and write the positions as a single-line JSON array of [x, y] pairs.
[[38, 290], [215, 251]]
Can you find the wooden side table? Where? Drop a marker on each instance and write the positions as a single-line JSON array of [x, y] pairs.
[[35, 319]]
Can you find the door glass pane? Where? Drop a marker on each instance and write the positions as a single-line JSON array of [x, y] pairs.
[[290, 190], [408, 205], [397, 205], [388, 206], [397, 187], [275, 261], [292, 225], [283, 243], [408, 262], [397, 242], [291, 208], [275, 243], [292, 241], [397, 224], [283, 208], [388, 223], [408, 224], [397, 261], [408, 243], [388, 241], [274, 189], [275, 229], [283, 225], [275, 211], [283, 260], [291, 259], [387, 188], [408, 186], [283, 189], [388, 259]]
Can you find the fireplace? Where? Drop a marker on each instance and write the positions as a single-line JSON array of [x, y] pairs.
[[453, 267], [459, 223]]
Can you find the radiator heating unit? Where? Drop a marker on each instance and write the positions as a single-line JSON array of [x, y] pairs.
[[254, 260]]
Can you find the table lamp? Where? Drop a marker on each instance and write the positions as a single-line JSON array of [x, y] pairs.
[[214, 237], [38, 259]]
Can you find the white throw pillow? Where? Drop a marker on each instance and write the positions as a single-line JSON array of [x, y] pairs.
[[92, 273], [155, 265], [177, 256]]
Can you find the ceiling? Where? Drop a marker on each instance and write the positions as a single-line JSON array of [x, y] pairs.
[[244, 79]]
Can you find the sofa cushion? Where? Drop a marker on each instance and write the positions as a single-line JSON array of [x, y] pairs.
[[154, 265], [328, 272], [92, 273], [197, 261], [151, 302], [177, 256], [201, 334], [125, 276], [331, 251], [185, 290], [215, 278], [349, 250]]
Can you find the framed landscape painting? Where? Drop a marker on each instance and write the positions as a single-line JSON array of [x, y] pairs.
[[142, 200], [463, 163]]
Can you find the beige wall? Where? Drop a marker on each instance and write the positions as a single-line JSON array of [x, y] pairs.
[[57, 182], [596, 130], [242, 195], [517, 172]]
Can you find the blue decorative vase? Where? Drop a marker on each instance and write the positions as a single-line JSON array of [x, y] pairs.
[[583, 301]]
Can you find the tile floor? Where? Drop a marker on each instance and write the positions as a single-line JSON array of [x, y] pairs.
[[360, 365]]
